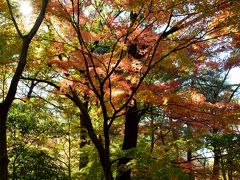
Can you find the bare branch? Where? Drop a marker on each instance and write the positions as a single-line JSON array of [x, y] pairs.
[[13, 19]]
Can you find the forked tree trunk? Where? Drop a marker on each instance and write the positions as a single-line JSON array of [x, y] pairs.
[[5, 105], [103, 152], [4, 109], [133, 117]]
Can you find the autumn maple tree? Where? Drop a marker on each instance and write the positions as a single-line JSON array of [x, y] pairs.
[[106, 51], [134, 69]]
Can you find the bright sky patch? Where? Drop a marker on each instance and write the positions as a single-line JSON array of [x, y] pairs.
[[25, 8]]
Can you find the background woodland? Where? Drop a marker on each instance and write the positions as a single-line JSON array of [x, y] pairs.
[[119, 89]]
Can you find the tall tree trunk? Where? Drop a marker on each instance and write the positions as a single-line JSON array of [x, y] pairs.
[[189, 159], [230, 174], [92, 135], [4, 109], [230, 160], [83, 160], [7, 102], [133, 117], [96, 141], [108, 165], [69, 148], [189, 153], [3, 145], [216, 164], [217, 158]]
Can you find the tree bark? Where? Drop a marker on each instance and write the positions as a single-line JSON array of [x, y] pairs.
[[133, 117], [189, 153], [189, 159], [3, 145], [83, 160], [108, 165], [92, 135], [230, 174], [6, 104], [217, 158], [216, 164]]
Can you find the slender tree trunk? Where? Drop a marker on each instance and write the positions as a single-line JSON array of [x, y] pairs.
[[152, 135], [230, 175], [96, 141], [189, 153], [216, 164], [7, 102], [83, 160], [230, 160], [224, 174], [108, 169], [217, 158], [69, 149], [3, 145], [189, 159], [4, 109], [92, 135], [133, 117]]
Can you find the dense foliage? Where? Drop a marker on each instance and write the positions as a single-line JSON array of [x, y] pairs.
[[119, 89]]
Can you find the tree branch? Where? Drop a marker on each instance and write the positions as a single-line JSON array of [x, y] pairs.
[[13, 19]]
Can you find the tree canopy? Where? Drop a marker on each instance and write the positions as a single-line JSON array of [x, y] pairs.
[[119, 89]]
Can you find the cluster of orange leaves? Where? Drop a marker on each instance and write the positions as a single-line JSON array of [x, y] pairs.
[[192, 108]]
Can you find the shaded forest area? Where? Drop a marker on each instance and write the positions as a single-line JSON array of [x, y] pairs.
[[119, 89]]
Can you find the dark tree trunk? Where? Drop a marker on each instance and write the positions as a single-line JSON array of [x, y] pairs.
[[4, 109], [108, 165], [133, 117], [189, 153], [102, 152], [83, 160], [3, 145], [216, 164], [189, 159], [217, 159], [230, 164], [230, 174], [96, 141], [5, 105]]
